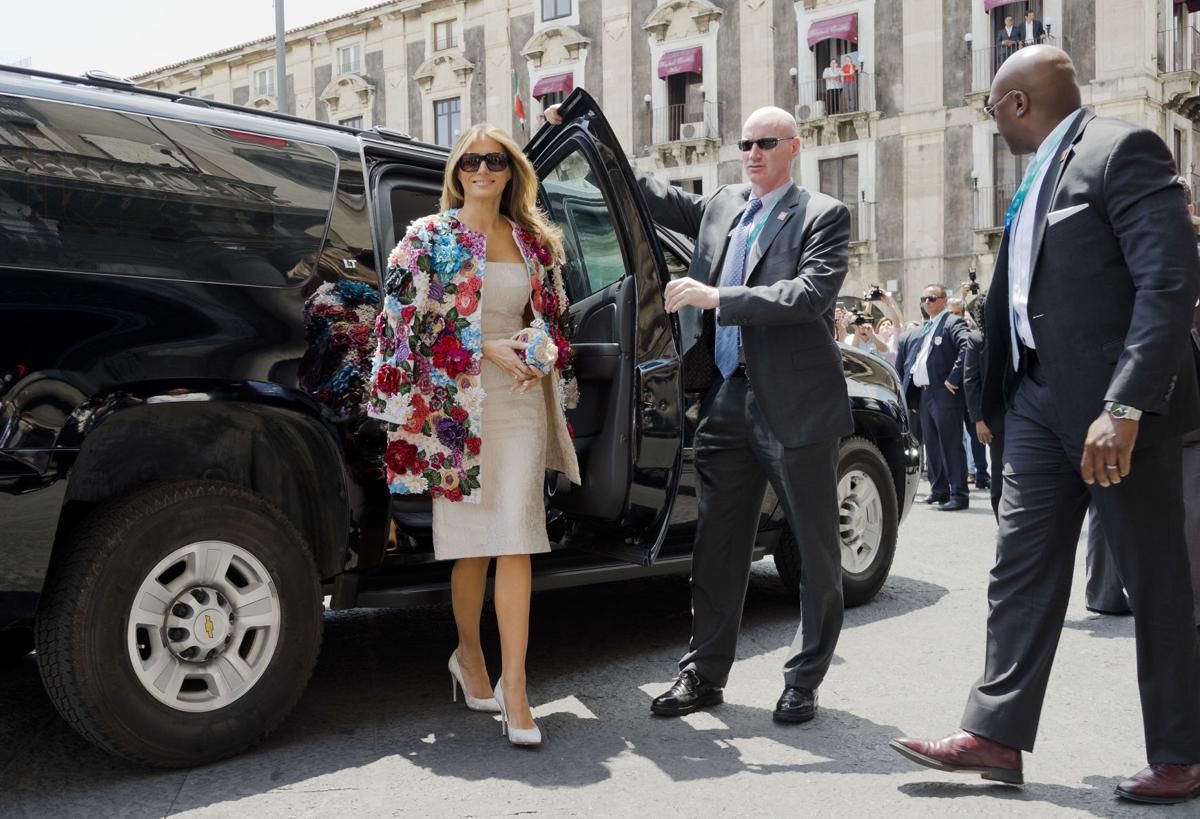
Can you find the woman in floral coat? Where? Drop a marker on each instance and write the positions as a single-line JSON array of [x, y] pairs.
[[472, 420]]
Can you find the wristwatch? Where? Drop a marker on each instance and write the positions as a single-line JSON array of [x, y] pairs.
[[1122, 411]]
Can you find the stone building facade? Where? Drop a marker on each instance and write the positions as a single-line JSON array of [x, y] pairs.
[[906, 145]]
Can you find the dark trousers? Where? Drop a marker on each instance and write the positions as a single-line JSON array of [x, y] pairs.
[[979, 451], [996, 453], [736, 456], [1191, 519], [1104, 592], [1041, 512], [941, 431]]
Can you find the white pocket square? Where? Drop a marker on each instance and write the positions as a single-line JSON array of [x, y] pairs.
[[1056, 216]]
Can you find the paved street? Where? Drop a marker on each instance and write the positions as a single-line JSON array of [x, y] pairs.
[[376, 735]]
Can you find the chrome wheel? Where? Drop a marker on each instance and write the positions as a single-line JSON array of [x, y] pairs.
[[204, 626], [860, 520]]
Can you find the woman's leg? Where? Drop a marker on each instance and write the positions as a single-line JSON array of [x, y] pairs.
[[513, 584], [468, 582]]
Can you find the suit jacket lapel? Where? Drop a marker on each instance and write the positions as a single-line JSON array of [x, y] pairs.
[[775, 222], [1050, 186]]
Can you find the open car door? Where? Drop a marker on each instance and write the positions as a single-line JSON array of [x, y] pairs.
[[629, 423]]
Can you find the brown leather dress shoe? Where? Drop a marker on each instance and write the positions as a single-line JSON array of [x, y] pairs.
[[964, 753], [1162, 784]]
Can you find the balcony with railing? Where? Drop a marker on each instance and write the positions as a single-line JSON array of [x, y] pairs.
[[982, 63], [683, 127], [1179, 67], [821, 99], [990, 206]]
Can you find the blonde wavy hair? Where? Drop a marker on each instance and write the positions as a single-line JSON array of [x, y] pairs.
[[519, 200]]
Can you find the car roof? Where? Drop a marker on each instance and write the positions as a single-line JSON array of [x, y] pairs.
[[103, 91]]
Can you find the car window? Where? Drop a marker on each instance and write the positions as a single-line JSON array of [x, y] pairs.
[[102, 191], [676, 267], [594, 259], [409, 204]]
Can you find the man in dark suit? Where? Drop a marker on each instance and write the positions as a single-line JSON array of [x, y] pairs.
[[769, 261], [1032, 30], [1098, 228], [906, 351], [933, 364], [993, 439], [1008, 40]]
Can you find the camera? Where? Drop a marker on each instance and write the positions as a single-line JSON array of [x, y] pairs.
[[974, 286], [860, 319], [874, 293]]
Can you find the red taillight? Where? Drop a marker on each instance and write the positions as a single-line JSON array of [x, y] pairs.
[[257, 139]]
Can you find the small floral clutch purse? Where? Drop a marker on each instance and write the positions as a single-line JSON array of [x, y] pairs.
[[539, 351]]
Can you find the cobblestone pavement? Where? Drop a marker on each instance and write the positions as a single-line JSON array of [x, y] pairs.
[[376, 734]]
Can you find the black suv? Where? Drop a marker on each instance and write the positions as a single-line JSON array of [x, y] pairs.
[[187, 293]]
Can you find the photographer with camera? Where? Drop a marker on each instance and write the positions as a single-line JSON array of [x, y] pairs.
[[887, 329], [862, 335]]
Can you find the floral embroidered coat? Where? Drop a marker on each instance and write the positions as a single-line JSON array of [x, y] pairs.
[[425, 379]]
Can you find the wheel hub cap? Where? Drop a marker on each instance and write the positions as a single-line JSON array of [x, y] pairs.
[[203, 626], [860, 520]]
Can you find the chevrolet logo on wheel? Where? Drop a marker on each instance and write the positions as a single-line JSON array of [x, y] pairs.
[[208, 626]]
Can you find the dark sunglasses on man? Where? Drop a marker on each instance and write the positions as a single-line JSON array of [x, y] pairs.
[[931, 299], [497, 161], [766, 143]]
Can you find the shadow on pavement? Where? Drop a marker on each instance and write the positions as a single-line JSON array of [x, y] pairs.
[[1097, 799], [381, 692], [1103, 625]]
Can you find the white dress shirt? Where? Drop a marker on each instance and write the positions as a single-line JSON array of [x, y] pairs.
[[920, 368], [1020, 248]]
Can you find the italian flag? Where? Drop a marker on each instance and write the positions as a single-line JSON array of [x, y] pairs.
[[518, 104]]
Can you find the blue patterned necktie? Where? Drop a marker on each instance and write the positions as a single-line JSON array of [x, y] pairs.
[[729, 338]]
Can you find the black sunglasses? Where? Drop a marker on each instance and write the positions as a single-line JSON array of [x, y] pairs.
[[497, 161], [932, 298], [766, 143]]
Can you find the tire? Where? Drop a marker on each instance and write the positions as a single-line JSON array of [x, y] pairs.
[[868, 521], [15, 644], [196, 565]]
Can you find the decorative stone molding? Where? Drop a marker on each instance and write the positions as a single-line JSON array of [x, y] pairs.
[[440, 63], [263, 103], [342, 86], [561, 42], [699, 14]]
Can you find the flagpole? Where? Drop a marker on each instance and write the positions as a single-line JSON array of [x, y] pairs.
[[518, 103], [281, 101]]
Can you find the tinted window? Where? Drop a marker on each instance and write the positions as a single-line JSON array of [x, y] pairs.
[[107, 192], [594, 259]]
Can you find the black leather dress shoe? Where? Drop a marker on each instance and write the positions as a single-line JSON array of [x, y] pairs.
[[796, 705], [689, 693], [983, 484], [952, 506], [931, 499]]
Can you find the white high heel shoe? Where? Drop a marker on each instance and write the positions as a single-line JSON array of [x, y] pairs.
[[516, 736], [487, 704]]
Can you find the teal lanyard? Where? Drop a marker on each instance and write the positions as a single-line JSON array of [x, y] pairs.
[[1056, 137]]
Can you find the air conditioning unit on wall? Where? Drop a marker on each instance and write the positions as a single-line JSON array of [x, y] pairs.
[[691, 130], [810, 110]]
